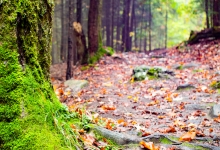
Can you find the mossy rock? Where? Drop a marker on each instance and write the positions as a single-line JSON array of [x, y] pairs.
[[142, 72]]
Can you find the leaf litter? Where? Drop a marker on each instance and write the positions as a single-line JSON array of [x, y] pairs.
[[150, 106]]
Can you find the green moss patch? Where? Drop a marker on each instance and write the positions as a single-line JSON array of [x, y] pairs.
[[100, 53]]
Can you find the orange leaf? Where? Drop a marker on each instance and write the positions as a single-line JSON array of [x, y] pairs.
[[161, 117], [149, 145], [105, 107], [169, 99], [217, 119], [188, 136]]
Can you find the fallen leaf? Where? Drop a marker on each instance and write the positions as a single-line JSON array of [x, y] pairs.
[[149, 145], [189, 136]]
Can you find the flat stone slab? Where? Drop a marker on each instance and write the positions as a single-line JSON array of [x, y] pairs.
[[76, 85]]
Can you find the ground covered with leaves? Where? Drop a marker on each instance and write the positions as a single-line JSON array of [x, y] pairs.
[[178, 104]]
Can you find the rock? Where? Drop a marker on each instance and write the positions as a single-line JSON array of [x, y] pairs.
[[185, 66], [139, 76], [75, 85], [142, 68], [118, 138], [185, 86], [142, 72], [215, 111], [217, 72], [194, 107], [191, 65]]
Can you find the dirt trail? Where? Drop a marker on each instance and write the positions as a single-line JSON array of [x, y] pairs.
[[154, 106]]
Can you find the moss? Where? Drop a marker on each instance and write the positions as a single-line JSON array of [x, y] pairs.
[[215, 85], [31, 117], [100, 53]]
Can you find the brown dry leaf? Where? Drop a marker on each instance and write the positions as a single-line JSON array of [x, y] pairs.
[[59, 92], [88, 139], [188, 136], [106, 107], [161, 117], [171, 129], [217, 119], [149, 145], [145, 134]]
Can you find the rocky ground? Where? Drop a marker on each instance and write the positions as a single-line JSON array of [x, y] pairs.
[[180, 104]]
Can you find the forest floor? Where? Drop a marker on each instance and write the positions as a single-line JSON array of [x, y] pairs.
[[153, 106]]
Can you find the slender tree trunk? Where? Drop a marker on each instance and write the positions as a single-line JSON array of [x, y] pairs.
[[131, 26], [118, 30], [123, 27], [71, 44], [207, 13], [166, 21], [150, 21], [108, 22], [135, 28], [82, 50], [63, 50], [127, 25], [216, 18], [141, 28], [79, 11], [93, 26], [113, 23]]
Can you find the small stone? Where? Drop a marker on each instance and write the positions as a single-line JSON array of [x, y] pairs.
[[194, 107], [75, 85], [215, 111], [185, 86]]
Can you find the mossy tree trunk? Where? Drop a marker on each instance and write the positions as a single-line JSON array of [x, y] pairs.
[[28, 106]]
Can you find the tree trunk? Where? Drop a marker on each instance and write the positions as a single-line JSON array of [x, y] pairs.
[[127, 26], [113, 23], [82, 50], [71, 43], [93, 26], [207, 13], [141, 28], [150, 21], [166, 22], [131, 25], [216, 18], [63, 33], [118, 30], [108, 22], [28, 105]]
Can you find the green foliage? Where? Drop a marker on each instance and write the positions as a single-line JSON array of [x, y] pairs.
[[215, 85]]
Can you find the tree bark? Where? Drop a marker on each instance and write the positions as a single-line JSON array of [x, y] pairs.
[[108, 22], [207, 13], [216, 17], [127, 26], [71, 43], [63, 47], [93, 26], [113, 23], [82, 50], [28, 105], [150, 22]]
